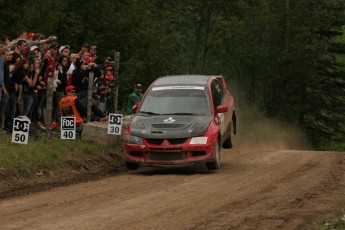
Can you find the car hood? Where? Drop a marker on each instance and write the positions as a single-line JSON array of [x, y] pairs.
[[176, 126]]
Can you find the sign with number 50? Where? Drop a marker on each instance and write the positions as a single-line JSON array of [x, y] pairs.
[[20, 132]]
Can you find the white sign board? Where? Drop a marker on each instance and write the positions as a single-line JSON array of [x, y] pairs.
[[115, 124], [68, 126], [20, 132]]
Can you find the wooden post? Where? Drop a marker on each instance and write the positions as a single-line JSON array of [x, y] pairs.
[[116, 72], [116, 97], [89, 96], [49, 106]]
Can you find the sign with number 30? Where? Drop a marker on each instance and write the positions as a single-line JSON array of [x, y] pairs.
[[115, 124]]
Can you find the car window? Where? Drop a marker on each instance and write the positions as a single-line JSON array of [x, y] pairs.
[[176, 101], [217, 93]]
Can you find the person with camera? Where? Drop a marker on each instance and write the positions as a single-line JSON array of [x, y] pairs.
[[80, 76]]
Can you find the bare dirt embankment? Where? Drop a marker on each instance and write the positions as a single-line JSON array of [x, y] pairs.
[[263, 183]]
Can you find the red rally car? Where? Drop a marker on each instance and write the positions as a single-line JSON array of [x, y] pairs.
[[181, 120]]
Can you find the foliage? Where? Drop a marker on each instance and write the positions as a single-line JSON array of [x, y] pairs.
[[287, 57]]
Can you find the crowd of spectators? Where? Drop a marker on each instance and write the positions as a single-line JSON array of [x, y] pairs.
[[31, 60]]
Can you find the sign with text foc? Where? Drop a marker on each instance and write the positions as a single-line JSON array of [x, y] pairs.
[[68, 126], [20, 132], [115, 124]]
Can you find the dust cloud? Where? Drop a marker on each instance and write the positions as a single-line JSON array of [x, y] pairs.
[[256, 132]]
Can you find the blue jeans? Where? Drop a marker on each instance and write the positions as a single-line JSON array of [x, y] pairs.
[[12, 102], [27, 104], [34, 100], [3, 106]]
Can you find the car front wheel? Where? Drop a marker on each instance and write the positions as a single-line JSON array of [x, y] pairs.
[[214, 165], [228, 142]]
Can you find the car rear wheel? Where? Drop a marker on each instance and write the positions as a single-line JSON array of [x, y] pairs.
[[214, 165], [131, 165]]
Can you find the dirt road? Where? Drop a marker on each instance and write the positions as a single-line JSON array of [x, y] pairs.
[[252, 190]]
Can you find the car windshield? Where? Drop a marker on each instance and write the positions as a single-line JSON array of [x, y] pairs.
[[176, 101]]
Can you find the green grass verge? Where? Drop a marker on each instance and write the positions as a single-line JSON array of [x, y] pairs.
[[41, 152], [336, 223]]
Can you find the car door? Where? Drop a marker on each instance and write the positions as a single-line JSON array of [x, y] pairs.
[[218, 96]]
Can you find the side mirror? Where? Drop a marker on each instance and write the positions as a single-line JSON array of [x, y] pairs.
[[135, 107], [222, 109]]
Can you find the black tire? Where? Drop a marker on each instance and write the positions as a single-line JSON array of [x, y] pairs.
[[214, 165], [228, 142], [132, 166]]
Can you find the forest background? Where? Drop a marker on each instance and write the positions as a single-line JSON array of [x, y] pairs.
[[284, 58]]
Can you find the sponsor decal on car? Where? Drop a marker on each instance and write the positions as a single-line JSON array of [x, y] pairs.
[[169, 120]]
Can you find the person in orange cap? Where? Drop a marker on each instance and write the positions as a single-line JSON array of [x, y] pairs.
[[71, 106]]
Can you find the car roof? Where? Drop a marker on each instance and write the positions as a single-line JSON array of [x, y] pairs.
[[183, 79]]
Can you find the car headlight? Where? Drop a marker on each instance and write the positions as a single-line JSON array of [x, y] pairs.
[[198, 141], [134, 140]]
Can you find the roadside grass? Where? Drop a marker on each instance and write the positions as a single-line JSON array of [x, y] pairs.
[[336, 223], [42, 152]]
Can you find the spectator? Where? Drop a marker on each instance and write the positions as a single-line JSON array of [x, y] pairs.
[[96, 112], [49, 63], [79, 77], [36, 40], [28, 86], [35, 66], [84, 48], [102, 98], [37, 51], [45, 48], [107, 62], [31, 36], [110, 72], [93, 52], [6, 58], [14, 92], [47, 71], [85, 57], [134, 98], [1, 74], [98, 82], [39, 98], [19, 49], [62, 68], [71, 106], [6, 40], [2, 45], [65, 50]]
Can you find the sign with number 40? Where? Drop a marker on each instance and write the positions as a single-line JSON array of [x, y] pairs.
[[115, 124], [68, 126]]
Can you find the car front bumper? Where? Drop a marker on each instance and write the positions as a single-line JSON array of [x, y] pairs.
[[184, 154]]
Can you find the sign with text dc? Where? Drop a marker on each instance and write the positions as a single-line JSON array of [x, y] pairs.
[[68, 126], [115, 124], [20, 132]]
